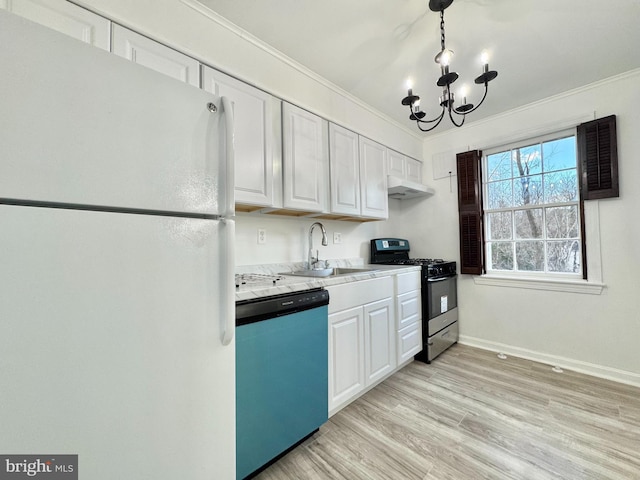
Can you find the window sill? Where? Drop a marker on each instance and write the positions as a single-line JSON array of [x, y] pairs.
[[569, 286]]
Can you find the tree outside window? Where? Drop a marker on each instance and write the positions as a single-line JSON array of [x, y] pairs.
[[532, 209]]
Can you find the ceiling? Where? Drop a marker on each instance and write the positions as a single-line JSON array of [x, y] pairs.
[[371, 47]]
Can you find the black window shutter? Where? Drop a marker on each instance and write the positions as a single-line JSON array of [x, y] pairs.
[[598, 158], [470, 212]]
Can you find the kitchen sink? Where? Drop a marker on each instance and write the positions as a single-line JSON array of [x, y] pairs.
[[349, 271], [328, 272]]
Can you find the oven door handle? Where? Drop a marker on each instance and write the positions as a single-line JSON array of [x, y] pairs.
[[440, 279]]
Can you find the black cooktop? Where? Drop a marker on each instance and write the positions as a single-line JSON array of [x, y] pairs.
[[395, 251]]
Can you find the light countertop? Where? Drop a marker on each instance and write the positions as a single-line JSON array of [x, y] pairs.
[[288, 284]]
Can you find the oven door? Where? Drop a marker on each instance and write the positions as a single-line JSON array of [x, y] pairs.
[[441, 295]]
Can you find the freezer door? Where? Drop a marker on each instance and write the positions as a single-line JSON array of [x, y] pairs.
[[83, 126], [110, 345]]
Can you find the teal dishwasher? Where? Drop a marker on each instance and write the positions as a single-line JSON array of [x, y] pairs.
[[281, 375]]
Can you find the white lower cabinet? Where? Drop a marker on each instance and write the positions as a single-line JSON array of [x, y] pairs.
[[408, 316], [362, 340], [346, 355], [380, 344]]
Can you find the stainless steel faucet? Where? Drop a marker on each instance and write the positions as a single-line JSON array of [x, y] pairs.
[[313, 261]]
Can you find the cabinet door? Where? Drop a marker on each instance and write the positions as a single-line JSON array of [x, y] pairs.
[[409, 342], [408, 309], [414, 170], [373, 179], [396, 164], [305, 160], [344, 159], [380, 340], [144, 51], [64, 17], [346, 356], [255, 113]]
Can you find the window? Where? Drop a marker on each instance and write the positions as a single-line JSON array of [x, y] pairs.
[[532, 208], [522, 210]]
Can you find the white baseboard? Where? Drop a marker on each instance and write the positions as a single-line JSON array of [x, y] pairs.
[[616, 375]]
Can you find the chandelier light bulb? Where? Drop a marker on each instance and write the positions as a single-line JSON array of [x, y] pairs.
[[484, 57], [464, 89], [409, 87]]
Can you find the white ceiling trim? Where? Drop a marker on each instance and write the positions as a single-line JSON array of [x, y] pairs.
[[235, 29]]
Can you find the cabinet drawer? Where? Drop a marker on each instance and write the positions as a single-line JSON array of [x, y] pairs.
[[407, 282], [438, 323], [359, 293]]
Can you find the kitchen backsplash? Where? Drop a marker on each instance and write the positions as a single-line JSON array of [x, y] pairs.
[[286, 239]]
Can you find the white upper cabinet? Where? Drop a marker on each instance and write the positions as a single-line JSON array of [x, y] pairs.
[[414, 170], [256, 134], [144, 51], [397, 164], [344, 160], [305, 145], [373, 179], [401, 166], [64, 17]]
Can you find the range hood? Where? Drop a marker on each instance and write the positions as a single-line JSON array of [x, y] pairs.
[[403, 189]]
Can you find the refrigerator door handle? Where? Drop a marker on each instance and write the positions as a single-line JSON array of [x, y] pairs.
[[230, 199], [228, 313], [228, 320]]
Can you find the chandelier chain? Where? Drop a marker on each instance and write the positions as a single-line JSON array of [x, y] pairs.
[[442, 30]]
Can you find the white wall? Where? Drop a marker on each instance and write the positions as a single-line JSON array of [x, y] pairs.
[[287, 239], [595, 333]]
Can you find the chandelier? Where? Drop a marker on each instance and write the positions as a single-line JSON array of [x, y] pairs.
[[447, 78]]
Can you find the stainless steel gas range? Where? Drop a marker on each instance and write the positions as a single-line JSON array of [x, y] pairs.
[[439, 294]]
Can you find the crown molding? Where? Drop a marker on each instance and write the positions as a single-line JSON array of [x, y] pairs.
[[265, 47]]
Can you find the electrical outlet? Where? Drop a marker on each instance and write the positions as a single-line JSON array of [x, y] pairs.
[[262, 236], [337, 237]]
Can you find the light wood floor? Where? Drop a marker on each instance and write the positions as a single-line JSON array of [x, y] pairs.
[[472, 416]]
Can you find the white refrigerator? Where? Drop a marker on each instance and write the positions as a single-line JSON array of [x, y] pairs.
[[116, 263]]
